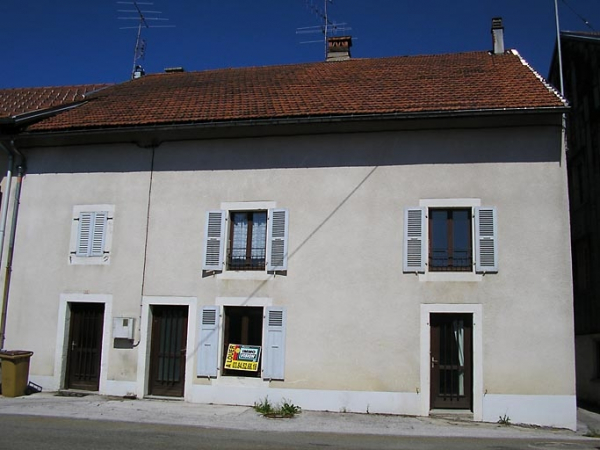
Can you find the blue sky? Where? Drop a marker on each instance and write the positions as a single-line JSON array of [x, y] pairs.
[[65, 42]]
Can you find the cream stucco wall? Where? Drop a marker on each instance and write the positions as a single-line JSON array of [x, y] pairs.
[[353, 317]]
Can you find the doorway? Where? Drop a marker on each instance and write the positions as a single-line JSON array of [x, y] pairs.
[[168, 350], [84, 347], [451, 361]]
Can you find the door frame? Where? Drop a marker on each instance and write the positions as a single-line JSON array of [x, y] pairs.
[[62, 336], [477, 311], [143, 365]]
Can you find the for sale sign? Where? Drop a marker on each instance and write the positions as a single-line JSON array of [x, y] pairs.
[[243, 357]]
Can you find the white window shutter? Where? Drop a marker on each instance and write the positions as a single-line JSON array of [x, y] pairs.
[[414, 256], [208, 349], [277, 237], [91, 233], [214, 244], [274, 346], [98, 234], [83, 233], [486, 242]]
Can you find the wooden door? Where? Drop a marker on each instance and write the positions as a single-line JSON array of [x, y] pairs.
[[451, 361], [168, 350], [84, 346]]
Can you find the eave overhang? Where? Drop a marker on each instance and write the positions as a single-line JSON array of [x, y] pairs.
[[154, 135]]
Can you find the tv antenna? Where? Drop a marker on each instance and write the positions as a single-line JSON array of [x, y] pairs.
[[327, 27], [143, 18]]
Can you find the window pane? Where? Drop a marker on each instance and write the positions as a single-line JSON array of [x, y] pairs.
[[240, 235], [439, 238], [259, 235], [461, 235]]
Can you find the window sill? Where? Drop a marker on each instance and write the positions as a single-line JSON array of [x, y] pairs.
[[451, 276], [229, 381], [75, 260]]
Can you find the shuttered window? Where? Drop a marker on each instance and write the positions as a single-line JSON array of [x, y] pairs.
[[91, 233], [256, 240], [441, 239]]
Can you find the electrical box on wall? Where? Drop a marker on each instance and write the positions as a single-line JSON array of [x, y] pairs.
[[123, 327]]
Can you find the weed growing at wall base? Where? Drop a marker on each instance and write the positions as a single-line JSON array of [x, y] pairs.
[[285, 410]]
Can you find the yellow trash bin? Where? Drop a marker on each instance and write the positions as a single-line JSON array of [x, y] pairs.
[[15, 372]]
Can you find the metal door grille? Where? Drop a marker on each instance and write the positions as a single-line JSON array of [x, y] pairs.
[[84, 346], [167, 355]]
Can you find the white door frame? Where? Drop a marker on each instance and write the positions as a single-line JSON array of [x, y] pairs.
[[477, 311], [143, 366]]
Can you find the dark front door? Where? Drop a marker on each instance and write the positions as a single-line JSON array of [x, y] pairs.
[[451, 361], [84, 346], [167, 350]]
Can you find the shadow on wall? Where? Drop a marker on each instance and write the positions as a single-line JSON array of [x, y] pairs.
[[472, 146]]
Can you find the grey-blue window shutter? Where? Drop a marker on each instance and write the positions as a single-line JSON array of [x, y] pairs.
[[208, 348], [277, 239], [91, 233], [83, 233], [274, 346], [413, 253], [214, 243], [486, 241], [99, 233]]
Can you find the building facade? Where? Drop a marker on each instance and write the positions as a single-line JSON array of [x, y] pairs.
[[369, 239]]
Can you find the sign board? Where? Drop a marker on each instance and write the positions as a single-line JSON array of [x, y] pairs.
[[242, 357]]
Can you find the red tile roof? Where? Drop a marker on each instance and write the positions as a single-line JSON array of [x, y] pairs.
[[14, 102], [476, 81]]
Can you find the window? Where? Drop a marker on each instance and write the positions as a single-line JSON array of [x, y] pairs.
[[450, 239], [256, 240], [262, 327], [247, 240], [91, 234], [450, 246], [243, 325]]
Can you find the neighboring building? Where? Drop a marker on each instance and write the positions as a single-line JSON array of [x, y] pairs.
[[371, 235], [581, 72]]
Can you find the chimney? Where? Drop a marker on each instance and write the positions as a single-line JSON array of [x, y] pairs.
[[498, 35], [338, 48], [138, 72]]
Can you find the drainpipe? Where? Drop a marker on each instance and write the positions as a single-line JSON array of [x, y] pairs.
[[3, 218], [11, 245]]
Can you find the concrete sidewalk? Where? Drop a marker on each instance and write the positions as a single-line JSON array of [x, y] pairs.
[[245, 418]]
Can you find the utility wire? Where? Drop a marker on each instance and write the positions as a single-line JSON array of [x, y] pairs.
[[583, 19]]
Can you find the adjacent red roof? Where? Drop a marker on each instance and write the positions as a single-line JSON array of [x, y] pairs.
[[14, 102], [476, 81]]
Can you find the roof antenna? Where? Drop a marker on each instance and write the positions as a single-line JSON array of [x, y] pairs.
[[140, 44], [328, 27]]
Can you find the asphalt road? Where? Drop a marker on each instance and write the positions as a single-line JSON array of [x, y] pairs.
[[18, 432]]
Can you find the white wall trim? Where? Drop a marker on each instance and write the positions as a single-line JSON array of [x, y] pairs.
[[143, 365], [545, 410], [405, 403], [248, 206], [91, 260], [477, 311], [450, 202], [62, 333], [244, 301]]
